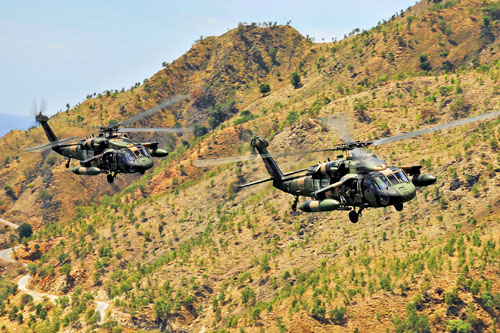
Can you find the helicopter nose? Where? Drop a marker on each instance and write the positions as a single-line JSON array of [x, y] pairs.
[[146, 163], [400, 193]]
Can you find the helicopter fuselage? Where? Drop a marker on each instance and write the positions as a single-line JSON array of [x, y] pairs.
[[110, 152], [351, 187], [358, 180], [103, 155]]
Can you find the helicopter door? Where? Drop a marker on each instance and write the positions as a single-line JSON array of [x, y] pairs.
[[113, 165], [368, 191], [317, 184], [356, 192]]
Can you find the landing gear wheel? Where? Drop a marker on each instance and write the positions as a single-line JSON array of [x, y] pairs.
[[110, 178], [399, 207], [67, 163], [353, 216], [294, 205]]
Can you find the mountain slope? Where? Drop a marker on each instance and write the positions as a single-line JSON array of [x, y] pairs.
[[181, 248]]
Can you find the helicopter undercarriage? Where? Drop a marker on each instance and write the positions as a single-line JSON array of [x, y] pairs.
[[346, 206], [111, 177]]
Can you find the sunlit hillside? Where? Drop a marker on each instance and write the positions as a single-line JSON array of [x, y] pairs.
[[181, 249]]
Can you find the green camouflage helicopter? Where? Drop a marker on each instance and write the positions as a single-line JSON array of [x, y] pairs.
[[357, 180], [110, 151]]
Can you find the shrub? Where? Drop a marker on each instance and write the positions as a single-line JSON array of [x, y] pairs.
[[25, 230], [264, 88], [245, 116], [338, 314], [248, 296], [295, 80], [220, 113], [385, 282], [199, 130], [475, 287], [424, 63], [450, 297], [9, 191], [291, 117], [458, 326]]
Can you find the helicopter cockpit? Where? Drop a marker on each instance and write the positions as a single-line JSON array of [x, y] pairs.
[[389, 178], [388, 187], [136, 158], [134, 153]]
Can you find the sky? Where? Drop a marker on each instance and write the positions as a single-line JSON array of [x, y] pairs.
[[64, 50]]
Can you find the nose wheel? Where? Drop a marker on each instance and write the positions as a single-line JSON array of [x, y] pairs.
[[111, 178], [353, 216], [67, 162], [294, 205]]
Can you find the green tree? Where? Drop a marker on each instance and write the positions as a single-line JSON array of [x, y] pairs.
[[424, 63], [264, 88], [9, 191], [65, 269], [25, 230], [200, 130], [295, 80], [458, 326]]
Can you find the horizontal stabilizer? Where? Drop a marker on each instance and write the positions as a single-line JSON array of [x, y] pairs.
[[256, 182], [271, 178]]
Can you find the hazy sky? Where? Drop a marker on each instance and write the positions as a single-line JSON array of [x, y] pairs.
[[64, 50]]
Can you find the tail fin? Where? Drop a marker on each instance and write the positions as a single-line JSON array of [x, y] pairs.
[[261, 144], [43, 120]]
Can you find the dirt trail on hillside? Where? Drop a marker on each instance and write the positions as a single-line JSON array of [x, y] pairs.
[[24, 280]]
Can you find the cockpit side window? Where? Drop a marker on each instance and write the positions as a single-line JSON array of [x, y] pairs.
[[128, 155], [367, 184], [382, 182]]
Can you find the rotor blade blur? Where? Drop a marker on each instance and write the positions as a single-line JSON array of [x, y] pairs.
[[166, 103], [49, 145], [34, 108], [225, 160], [156, 129], [436, 128], [339, 125], [43, 106]]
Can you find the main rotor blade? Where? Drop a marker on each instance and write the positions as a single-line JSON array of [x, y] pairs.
[[34, 108], [156, 129], [225, 160], [436, 128], [166, 103], [49, 145], [43, 105], [339, 125]]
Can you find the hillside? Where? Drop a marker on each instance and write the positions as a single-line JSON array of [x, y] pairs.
[[181, 249]]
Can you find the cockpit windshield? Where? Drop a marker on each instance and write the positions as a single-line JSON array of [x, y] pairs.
[[402, 176], [141, 152], [393, 179], [144, 152]]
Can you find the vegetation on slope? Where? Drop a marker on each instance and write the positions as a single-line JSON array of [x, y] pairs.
[[181, 248]]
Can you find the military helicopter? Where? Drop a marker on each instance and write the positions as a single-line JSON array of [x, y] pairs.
[[357, 180], [110, 151]]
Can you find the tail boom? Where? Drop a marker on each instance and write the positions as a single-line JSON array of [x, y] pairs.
[[43, 120]]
